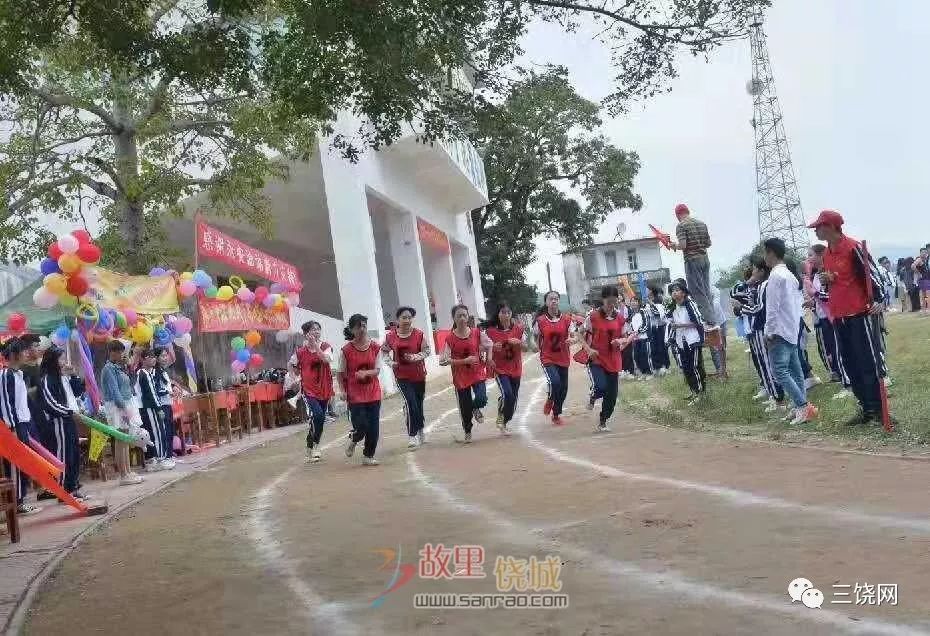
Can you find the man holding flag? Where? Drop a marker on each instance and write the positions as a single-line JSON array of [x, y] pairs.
[[693, 241]]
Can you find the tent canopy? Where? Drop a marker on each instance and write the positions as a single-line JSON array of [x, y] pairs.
[[41, 321]]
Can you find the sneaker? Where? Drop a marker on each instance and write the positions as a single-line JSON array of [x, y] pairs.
[[862, 418], [773, 406], [591, 403], [413, 443], [44, 495], [131, 480], [647, 376], [695, 397], [547, 407], [168, 463], [835, 378], [761, 395], [309, 453], [153, 466], [602, 428], [421, 436], [27, 509], [479, 416], [350, 446], [663, 372], [77, 494], [811, 382], [467, 438], [369, 461], [842, 395], [316, 456], [747, 350], [804, 414], [501, 424], [505, 431], [557, 420]]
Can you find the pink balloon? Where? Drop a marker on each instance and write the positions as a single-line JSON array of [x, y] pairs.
[[187, 288], [183, 325], [244, 294], [131, 317], [270, 300], [293, 299], [261, 293], [237, 366]]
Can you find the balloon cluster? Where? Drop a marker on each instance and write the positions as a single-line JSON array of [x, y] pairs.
[[276, 297], [242, 355], [66, 278]]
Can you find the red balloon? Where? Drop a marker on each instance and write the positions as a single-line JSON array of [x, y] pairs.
[[77, 286], [54, 252], [16, 322], [256, 360], [89, 253], [261, 293], [83, 236]]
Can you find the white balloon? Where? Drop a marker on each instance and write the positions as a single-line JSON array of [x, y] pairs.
[[68, 244], [44, 298], [282, 336]]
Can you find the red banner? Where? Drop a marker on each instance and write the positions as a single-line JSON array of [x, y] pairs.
[[211, 243], [216, 315], [432, 235]]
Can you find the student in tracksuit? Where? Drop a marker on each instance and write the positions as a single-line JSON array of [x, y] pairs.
[[603, 341], [406, 349], [627, 357], [59, 399], [313, 361], [466, 351], [14, 410], [656, 309], [757, 312], [163, 386], [150, 412], [743, 296], [823, 327], [506, 361], [686, 331], [642, 347], [358, 367]]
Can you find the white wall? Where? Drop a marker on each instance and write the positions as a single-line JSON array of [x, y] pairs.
[[575, 284], [648, 257]]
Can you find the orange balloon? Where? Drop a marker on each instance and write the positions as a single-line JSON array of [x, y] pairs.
[[252, 338], [69, 263]]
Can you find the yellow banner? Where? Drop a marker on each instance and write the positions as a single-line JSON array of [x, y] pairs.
[[98, 442], [152, 295]]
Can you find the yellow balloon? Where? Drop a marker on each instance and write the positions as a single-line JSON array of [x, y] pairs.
[[69, 263], [224, 293], [142, 333], [55, 283], [186, 275]]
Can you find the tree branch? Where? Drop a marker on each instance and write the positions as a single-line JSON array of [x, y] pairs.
[[159, 13], [196, 124], [156, 101], [34, 193], [74, 140], [60, 99]]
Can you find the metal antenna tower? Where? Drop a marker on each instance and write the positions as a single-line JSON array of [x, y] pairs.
[[780, 213]]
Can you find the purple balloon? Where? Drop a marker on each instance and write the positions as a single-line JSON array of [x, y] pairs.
[[157, 271], [276, 288], [269, 301]]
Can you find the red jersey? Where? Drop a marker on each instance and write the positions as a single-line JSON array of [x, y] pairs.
[[369, 389], [554, 342], [849, 295], [603, 332], [316, 377], [464, 376], [508, 360], [412, 344]]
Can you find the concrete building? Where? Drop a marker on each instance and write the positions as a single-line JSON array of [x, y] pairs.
[[392, 229], [590, 268]]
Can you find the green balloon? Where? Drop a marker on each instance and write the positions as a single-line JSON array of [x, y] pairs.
[[238, 343], [211, 292]]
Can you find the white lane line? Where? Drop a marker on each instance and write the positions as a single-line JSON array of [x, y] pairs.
[[729, 495], [669, 582]]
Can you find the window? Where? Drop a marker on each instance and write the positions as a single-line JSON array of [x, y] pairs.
[[631, 260], [610, 261]]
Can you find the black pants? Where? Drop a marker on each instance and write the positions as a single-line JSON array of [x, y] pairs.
[[471, 399], [63, 444], [692, 365], [761, 351], [604, 386], [413, 393], [316, 409], [826, 345], [366, 425], [914, 295], [509, 387], [628, 360], [861, 359], [660, 359], [152, 421], [642, 354], [167, 413], [558, 386]]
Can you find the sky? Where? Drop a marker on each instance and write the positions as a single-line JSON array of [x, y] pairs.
[[849, 76]]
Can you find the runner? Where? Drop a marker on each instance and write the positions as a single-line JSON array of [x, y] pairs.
[[552, 331], [506, 361], [358, 366], [313, 362], [406, 348], [466, 352], [603, 342]]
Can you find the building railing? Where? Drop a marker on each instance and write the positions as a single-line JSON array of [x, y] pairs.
[[660, 276], [468, 160]]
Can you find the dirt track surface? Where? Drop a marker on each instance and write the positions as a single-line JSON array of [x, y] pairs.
[[659, 531]]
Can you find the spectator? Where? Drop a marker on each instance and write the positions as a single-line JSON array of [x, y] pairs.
[[909, 290], [693, 241], [921, 269]]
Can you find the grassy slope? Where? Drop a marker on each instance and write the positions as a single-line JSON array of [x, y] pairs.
[[729, 409]]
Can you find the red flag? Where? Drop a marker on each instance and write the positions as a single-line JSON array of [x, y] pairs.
[[664, 238]]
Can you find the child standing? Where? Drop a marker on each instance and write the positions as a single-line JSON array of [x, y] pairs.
[[407, 348], [119, 406], [639, 330], [313, 361], [358, 367], [506, 360], [686, 331], [59, 397], [466, 352], [164, 390], [14, 410], [656, 309], [150, 411]]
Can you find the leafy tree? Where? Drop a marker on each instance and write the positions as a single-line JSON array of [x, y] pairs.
[[549, 174], [727, 277]]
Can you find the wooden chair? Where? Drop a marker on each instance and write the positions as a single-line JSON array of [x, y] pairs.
[[225, 406], [197, 414], [245, 408], [255, 405], [8, 508]]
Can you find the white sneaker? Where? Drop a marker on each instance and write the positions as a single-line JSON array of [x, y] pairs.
[[369, 461], [468, 438], [131, 480], [316, 455], [422, 436], [647, 376], [350, 446], [747, 350], [24, 509], [842, 395], [168, 463], [810, 383], [309, 453], [413, 443], [773, 406], [154, 466], [505, 431], [804, 414], [761, 395], [602, 428]]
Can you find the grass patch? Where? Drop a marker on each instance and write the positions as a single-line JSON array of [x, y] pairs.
[[728, 407]]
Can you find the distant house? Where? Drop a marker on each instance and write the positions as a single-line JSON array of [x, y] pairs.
[[590, 268]]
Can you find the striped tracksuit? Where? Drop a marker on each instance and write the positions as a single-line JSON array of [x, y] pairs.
[[757, 346], [14, 410], [642, 347], [63, 438], [151, 412]]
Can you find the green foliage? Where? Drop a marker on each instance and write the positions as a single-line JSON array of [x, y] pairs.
[[549, 174], [729, 276]]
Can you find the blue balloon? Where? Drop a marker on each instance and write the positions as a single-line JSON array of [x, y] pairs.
[[157, 271], [202, 279], [49, 266], [244, 355], [62, 332], [106, 321], [162, 337]]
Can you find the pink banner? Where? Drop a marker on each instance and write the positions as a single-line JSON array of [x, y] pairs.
[[211, 243]]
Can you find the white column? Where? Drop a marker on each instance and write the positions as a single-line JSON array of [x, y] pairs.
[[440, 281], [408, 266]]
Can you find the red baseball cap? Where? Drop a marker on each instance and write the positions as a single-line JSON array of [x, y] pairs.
[[681, 208], [828, 217]]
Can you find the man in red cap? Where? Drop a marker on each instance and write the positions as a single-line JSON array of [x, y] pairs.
[[851, 304], [693, 241]]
